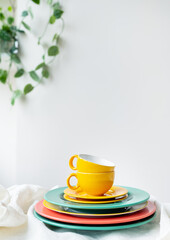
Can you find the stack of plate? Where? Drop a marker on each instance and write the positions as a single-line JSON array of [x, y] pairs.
[[119, 208]]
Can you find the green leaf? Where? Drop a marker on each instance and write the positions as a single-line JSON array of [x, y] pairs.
[[26, 25], [6, 27], [3, 76], [10, 9], [58, 13], [55, 37], [20, 31], [16, 94], [2, 17], [57, 6], [12, 101], [4, 35], [34, 76], [12, 28], [10, 20], [40, 66], [53, 51], [52, 19], [25, 13], [19, 73], [50, 2], [28, 88], [36, 1], [45, 72], [15, 58], [30, 12]]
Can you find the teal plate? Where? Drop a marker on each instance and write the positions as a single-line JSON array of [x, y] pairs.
[[94, 227], [135, 196]]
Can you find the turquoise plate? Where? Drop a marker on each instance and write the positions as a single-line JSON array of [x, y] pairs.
[[94, 227], [135, 196]]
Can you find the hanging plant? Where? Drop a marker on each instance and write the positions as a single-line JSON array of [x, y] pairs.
[[9, 45]]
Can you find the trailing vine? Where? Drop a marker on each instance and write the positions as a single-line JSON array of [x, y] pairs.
[[9, 46]]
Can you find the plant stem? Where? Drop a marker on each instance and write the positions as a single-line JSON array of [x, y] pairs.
[[19, 26], [45, 29], [57, 40], [9, 70], [13, 7]]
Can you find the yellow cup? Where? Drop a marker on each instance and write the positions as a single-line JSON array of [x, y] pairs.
[[91, 164], [92, 183]]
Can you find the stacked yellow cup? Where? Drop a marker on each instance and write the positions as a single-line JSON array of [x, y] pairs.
[[95, 176]]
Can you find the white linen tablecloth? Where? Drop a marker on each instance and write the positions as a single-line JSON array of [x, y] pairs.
[[17, 221]]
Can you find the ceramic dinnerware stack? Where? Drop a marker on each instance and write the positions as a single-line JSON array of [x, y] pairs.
[[77, 207]]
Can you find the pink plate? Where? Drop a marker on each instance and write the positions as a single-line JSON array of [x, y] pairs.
[[45, 212]]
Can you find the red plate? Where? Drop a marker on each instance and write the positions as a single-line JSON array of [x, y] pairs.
[[47, 213]]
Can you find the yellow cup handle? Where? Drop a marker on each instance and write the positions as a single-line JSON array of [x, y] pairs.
[[68, 182], [71, 162]]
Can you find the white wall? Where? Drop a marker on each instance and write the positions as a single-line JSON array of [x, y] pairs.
[[7, 139], [108, 96]]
